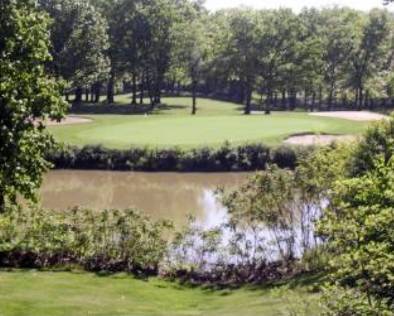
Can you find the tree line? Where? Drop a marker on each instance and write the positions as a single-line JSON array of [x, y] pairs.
[[263, 58]]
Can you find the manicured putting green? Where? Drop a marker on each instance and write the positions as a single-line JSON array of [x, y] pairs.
[[215, 123], [34, 293]]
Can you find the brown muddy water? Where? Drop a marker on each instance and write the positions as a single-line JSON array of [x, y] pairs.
[[171, 196]]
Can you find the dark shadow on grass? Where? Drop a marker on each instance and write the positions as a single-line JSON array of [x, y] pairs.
[[118, 109], [312, 281]]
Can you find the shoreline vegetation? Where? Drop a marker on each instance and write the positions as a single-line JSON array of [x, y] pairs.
[[249, 157]]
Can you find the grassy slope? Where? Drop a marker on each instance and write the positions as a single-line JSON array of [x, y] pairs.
[[61, 293], [215, 123]]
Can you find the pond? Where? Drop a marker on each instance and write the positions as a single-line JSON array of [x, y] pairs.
[[161, 195]]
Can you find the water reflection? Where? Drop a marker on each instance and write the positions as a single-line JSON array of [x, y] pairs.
[[161, 195]]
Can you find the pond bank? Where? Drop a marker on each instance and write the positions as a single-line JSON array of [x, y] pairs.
[[248, 157]]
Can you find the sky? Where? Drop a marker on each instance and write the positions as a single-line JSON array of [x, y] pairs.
[[296, 5]]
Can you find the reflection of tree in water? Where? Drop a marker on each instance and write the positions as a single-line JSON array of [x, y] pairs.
[[161, 195]]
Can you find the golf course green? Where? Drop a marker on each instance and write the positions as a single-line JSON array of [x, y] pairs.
[[215, 123]]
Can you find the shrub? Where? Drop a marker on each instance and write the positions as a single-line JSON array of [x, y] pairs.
[[358, 226], [108, 240], [249, 157], [378, 140]]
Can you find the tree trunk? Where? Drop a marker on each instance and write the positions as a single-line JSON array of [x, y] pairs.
[[67, 96], [320, 98], [248, 97], [180, 88], [87, 94], [313, 101], [97, 92], [242, 95], [275, 100], [157, 91], [268, 102], [134, 101], [92, 92], [142, 92], [306, 98], [78, 95], [293, 99], [367, 102], [360, 99], [194, 105], [261, 102], [110, 89], [173, 82], [284, 103], [2, 202], [330, 98], [150, 93]]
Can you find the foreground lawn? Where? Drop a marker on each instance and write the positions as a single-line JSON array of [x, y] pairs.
[[215, 123], [34, 293]]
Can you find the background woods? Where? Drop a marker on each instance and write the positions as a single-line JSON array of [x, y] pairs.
[[266, 59]]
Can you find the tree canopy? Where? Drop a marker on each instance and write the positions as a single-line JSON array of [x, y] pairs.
[[265, 59], [28, 97]]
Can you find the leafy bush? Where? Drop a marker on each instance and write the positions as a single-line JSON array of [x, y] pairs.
[[108, 240], [225, 158], [358, 227], [377, 141], [351, 302]]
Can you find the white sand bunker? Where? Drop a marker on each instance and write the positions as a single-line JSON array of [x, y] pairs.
[[309, 140], [70, 120], [352, 115]]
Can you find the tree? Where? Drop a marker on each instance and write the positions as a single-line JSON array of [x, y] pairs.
[[309, 51], [358, 228], [191, 48], [158, 18], [338, 45], [367, 56], [79, 43], [126, 28], [27, 98], [278, 51], [243, 51]]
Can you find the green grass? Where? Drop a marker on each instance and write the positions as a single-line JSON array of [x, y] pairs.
[[215, 123], [31, 293]]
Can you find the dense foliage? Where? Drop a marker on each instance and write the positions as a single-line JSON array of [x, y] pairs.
[[27, 98], [79, 43], [333, 57], [99, 241], [247, 157], [358, 226]]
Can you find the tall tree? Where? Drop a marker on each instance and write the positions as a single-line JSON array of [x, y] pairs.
[[158, 18], [243, 51], [368, 53], [309, 52], [338, 44], [27, 98], [277, 68], [191, 47], [79, 42], [125, 28]]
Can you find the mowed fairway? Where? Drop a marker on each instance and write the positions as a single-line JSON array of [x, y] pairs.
[[34, 293], [215, 123]]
